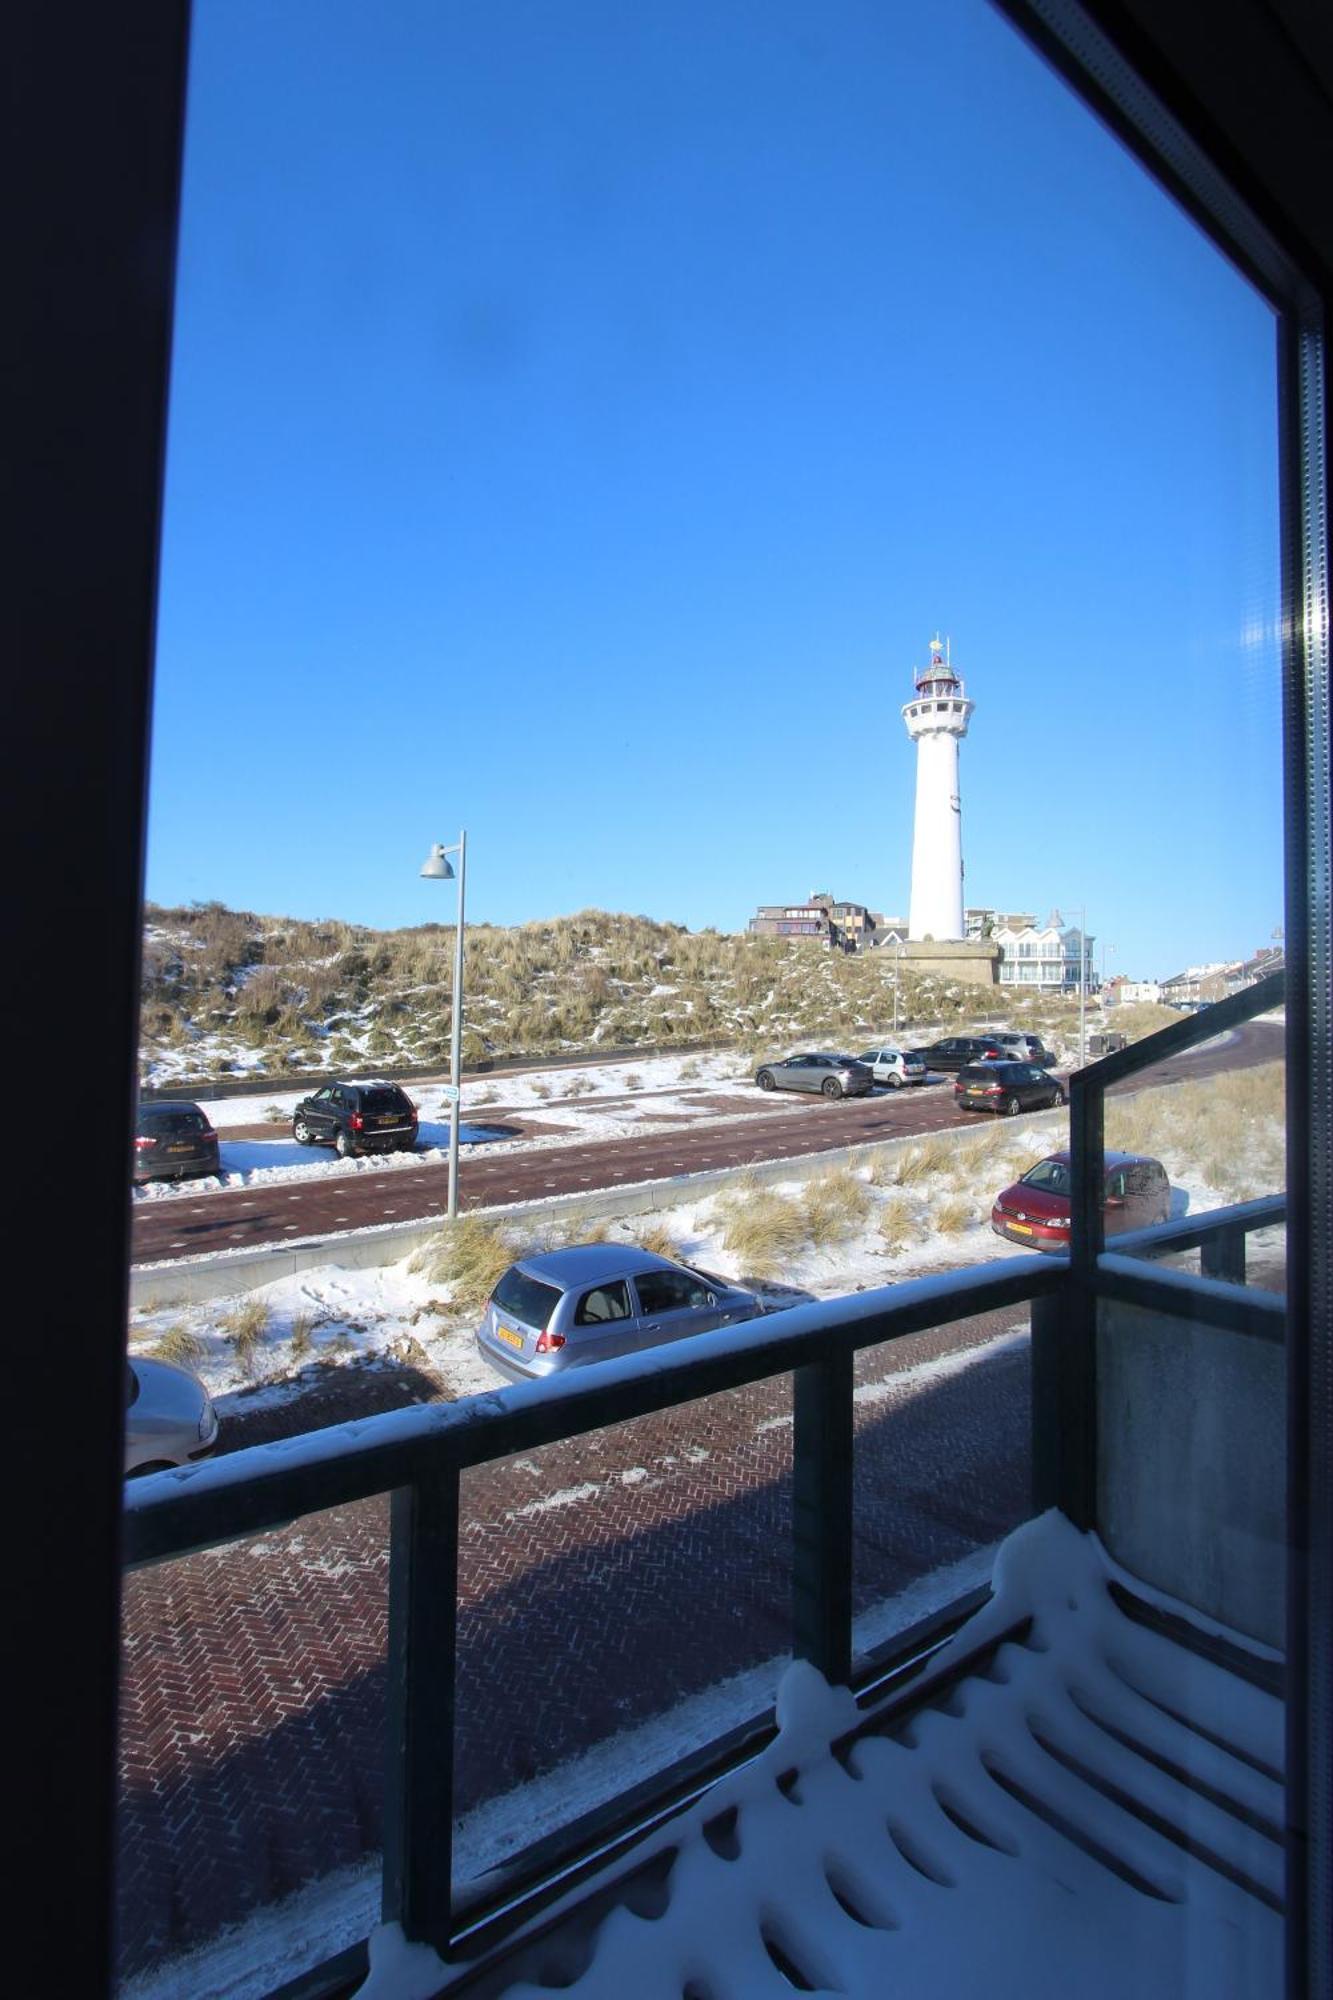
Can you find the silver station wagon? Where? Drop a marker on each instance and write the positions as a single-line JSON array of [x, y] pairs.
[[563, 1308]]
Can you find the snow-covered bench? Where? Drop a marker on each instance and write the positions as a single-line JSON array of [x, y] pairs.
[[1082, 1795]]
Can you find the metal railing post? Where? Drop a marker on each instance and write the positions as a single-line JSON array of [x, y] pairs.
[[822, 1515], [1077, 1362], [1223, 1256], [422, 1666]]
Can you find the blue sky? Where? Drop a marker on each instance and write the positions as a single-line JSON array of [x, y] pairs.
[[583, 416]]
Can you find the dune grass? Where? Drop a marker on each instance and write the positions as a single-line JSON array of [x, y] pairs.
[[953, 1215], [898, 1223], [470, 1255], [761, 1227], [243, 1328], [834, 1205], [653, 1235], [1230, 1129], [178, 1344]]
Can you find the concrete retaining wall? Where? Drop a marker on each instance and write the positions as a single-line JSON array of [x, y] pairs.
[[192, 1280]]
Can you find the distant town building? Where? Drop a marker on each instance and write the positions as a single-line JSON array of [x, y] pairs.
[[1045, 959], [1270, 958], [843, 926], [1131, 992], [983, 923], [1197, 986], [1200, 985]]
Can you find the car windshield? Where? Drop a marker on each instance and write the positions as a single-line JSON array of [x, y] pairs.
[[1053, 1175], [155, 1123], [526, 1298]]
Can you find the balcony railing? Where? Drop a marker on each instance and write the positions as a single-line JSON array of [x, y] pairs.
[[418, 1456]]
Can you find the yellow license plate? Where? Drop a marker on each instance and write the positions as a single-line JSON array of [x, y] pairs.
[[509, 1338], [1021, 1228]]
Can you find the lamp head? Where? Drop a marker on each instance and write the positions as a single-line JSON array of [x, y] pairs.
[[437, 866]]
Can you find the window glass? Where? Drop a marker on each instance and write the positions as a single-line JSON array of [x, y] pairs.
[[526, 1298], [603, 1302], [667, 1291], [161, 1120], [377, 1102]]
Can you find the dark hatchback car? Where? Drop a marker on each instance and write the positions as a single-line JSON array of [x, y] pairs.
[[357, 1118], [956, 1051], [1009, 1087], [1035, 1210], [829, 1075], [173, 1140]]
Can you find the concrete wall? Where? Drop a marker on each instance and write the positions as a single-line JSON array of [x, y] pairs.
[[973, 961], [1192, 1463]]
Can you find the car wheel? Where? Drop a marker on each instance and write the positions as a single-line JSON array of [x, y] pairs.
[[831, 1087], [301, 1132], [894, 1082], [1012, 1107], [344, 1148], [766, 1080]]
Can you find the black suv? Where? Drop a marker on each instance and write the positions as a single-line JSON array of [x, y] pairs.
[[357, 1118], [958, 1050], [171, 1140]]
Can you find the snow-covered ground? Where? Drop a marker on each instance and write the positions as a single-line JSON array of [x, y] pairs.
[[396, 1314]]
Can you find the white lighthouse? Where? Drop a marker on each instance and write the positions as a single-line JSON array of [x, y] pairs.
[[937, 720]]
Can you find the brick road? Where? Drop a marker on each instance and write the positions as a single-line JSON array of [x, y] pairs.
[[254, 1677]]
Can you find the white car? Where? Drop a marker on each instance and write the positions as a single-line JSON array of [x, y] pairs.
[[169, 1416], [894, 1067]]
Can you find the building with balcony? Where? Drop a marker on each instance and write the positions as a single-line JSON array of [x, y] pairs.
[[1105, 1764], [841, 925], [1048, 958]]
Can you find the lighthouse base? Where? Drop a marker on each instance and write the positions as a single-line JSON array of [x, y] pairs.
[[976, 961]]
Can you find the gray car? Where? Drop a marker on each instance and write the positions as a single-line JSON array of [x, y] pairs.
[[169, 1416], [827, 1074], [563, 1308]]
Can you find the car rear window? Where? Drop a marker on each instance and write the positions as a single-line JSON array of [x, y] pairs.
[[377, 1102], [175, 1124], [526, 1298]]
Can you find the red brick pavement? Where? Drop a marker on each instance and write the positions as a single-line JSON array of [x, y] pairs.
[[253, 1694]]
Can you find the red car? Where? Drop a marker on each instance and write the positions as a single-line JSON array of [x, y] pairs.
[[1035, 1210]]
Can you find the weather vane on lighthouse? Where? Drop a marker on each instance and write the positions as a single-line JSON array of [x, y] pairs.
[[937, 719]]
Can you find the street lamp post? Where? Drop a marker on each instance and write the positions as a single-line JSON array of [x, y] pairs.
[[438, 868], [1082, 985]]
